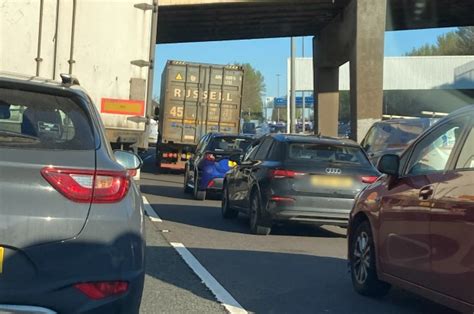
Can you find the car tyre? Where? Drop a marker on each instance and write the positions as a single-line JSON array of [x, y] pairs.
[[198, 194], [363, 263], [186, 188], [227, 211], [257, 225]]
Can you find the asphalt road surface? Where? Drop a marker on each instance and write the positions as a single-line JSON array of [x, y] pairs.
[[296, 269]]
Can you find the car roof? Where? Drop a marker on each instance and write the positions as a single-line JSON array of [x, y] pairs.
[[405, 121], [29, 81], [295, 138], [216, 135]]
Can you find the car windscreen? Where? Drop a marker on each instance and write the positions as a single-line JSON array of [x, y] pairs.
[[34, 120], [325, 153], [225, 144], [396, 135]]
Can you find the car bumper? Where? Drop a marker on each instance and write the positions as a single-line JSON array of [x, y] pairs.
[[59, 299], [314, 210]]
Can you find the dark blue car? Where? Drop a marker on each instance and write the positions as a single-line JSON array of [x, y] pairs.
[[205, 171]]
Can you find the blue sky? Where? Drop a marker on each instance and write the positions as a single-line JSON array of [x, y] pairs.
[[269, 55]]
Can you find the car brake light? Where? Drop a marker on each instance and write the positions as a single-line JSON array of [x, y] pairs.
[[101, 290], [369, 179], [280, 174], [282, 199], [85, 186], [209, 157]]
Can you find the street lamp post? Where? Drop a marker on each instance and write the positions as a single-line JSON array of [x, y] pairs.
[[278, 95]]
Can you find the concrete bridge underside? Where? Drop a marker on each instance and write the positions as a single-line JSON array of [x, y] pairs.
[[344, 30]]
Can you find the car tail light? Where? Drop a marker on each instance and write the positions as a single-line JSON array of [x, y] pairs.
[[282, 199], [85, 186], [102, 290], [280, 174], [211, 184], [165, 155], [369, 179], [209, 157], [132, 173]]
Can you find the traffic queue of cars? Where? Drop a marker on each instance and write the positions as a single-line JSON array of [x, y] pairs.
[[410, 220], [71, 216]]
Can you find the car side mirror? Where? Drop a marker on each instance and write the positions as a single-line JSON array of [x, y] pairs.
[[128, 160], [389, 164], [237, 158]]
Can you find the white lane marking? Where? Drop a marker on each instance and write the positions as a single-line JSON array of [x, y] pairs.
[[147, 157], [227, 300], [150, 211]]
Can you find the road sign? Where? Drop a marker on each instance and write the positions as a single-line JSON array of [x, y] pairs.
[[280, 102]]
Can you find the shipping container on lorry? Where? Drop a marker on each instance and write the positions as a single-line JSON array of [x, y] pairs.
[[196, 98], [107, 45]]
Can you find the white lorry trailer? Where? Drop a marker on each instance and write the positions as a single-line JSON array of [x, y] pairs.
[[107, 45]]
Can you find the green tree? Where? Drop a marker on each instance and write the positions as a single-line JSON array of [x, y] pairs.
[[254, 89], [459, 42]]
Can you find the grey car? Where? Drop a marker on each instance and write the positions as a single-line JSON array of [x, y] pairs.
[[305, 179], [71, 219]]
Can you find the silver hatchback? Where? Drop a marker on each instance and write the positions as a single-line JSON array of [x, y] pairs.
[[71, 219]]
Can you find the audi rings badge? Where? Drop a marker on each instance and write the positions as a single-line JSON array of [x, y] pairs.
[[333, 171]]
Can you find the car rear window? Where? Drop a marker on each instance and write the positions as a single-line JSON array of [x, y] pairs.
[[35, 120], [327, 153], [229, 144]]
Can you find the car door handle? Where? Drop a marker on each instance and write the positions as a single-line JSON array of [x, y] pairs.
[[426, 192]]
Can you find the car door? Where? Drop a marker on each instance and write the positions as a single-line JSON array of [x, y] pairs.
[[196, 157], [251, 172], [236, 186], [452, 226], [404, 232]]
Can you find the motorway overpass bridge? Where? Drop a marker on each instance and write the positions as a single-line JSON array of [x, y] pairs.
[[343, 30]]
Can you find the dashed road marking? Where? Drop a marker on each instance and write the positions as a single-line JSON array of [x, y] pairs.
[[222, 295], [150, 211]]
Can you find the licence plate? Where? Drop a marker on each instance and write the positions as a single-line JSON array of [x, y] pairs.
[[232, 164], [331, 181], [2, 250]]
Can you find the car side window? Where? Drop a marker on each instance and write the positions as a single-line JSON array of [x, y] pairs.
[[466, 158], [264, 149], [276, 152], [250, 155], [433, 152], [201, 145]]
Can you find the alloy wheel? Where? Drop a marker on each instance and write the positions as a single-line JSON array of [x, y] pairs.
[[361, 257]]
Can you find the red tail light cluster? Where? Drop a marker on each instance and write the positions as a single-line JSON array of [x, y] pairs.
[[85, 186], [209, 157], [280, 174], [369, 179], [102, 290], [282, 199]]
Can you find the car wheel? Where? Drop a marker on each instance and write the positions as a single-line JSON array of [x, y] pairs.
[[227, 211], [198, 194], [257, 226], [186, 188], [363, 263]]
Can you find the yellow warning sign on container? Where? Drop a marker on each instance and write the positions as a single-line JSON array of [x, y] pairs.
[[123, 106], [179, 77]]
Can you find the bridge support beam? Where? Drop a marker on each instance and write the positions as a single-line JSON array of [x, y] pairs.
[[357, 35]]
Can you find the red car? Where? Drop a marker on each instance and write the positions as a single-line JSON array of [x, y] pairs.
[[414, 227]]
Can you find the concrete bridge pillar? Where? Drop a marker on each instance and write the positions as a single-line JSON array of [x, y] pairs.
[[357, 35]]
